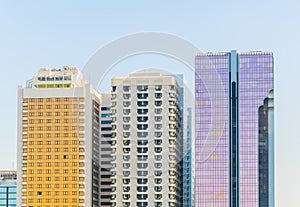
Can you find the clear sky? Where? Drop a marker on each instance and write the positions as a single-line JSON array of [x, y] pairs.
[[36, 34]]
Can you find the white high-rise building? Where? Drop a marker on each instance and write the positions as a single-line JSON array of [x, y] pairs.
[[146, 142]]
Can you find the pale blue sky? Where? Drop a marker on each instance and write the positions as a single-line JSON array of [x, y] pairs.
[[36, 34]]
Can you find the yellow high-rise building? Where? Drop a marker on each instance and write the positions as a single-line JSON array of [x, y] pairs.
[[58, 141]]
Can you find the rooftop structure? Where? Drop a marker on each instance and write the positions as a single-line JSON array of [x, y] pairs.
[[68, 77]]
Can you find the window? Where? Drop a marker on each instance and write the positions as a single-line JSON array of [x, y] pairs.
[[126, 88], [142, 173], [142, 196], [158, 126], [142, 142], [126, 111], [158, 141], [126, 134], [158, 87], [157, 188], [142, 95], [142, 88], [126, 173], [142, 165], [158, 134], [172, 87], [126, 142], [157, 149], [158, 95], [125, 189], [142, 157], [126, 103], [126, 126], [126, 157], [142, 111], [107, 121], [142, 134], [158, 196], [142, 149], [157, 118], [142, 189], [126, 150], [142, 126], [142, 119], [126, 96], [126, 119], [157, 165], [142, 103], [142, 181], [126, 181]]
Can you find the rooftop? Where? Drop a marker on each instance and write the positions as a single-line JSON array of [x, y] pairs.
[[8, 174], [68, 77]]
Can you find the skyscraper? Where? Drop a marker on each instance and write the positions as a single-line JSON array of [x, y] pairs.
[[58, 141], [229, 89], [187, 162], [105, 150], [184, 160], [146, 140], [266, 152]]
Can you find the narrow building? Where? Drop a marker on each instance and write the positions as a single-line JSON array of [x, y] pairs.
[[105, 151]]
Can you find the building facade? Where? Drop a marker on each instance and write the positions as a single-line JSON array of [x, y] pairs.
[[229, 89], [184, 161], [187, 162], [266, 152], [105, 150], [8, 188], [58, 141], [146, 142]]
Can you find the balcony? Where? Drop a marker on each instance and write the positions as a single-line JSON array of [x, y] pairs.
[[142, 96], [142, 111], [158, 103], [142, 119], [142, 88], [158, 95], [142, 103], [126, 96], [142, 126]]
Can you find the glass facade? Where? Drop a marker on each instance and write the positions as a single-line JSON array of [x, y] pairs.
[[256, 80], [229, 88], [263, 154], [7, 196], [211, 124]]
